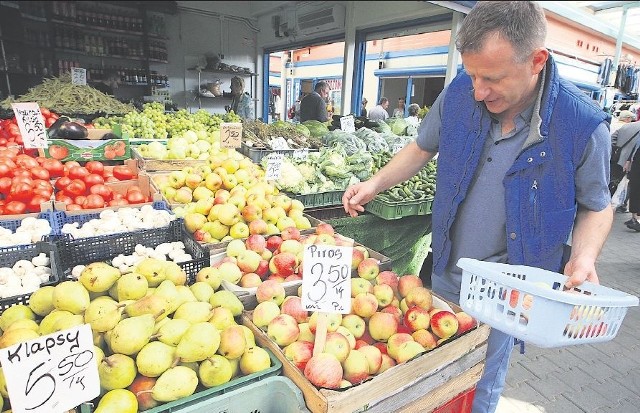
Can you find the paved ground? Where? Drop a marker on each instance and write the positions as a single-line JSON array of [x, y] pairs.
[[595, 378]]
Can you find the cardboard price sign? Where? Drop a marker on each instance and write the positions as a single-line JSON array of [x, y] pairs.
[[274, 166], [31, 124], [78, 76], [347, 124], [326, 278], [53, 373], [230, 135]]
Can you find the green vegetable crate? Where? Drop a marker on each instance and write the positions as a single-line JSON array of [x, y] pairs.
[[320, 199], [256, 154], [235, 395], [394, 210]]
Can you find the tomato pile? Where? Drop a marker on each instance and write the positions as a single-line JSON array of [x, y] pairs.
[[10, 133], [26, 182]]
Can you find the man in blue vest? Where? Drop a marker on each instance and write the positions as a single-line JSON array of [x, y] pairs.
[[522, 170]]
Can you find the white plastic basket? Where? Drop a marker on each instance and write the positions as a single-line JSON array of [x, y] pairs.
[[529, 304]]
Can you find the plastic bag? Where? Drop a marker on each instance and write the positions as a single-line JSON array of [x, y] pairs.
[[620, 196]]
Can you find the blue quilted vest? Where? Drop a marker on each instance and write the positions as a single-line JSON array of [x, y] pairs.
[[539, 186]]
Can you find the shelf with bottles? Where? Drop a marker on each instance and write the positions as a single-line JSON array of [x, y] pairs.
[[97, 16], [222, 72], [32, 63]]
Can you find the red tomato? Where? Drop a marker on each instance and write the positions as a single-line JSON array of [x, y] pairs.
[[20, 191], [5, 170], [136, 197], [62, 182], [5, 185], [74, 207], [104, 191], [21, 172], [133, 188], [118, 202], [108, 171], [15, 207], [49, 121], [80, 199], [7, 160], [78, 172], [111, 179], [71, 164], [122, 172], [76, 187], [40, 173], [40, 159], [93, 179], [34, 203], [23, 179], [64, 198], [54, 166], [95, 167], [26, 161], [93, 201], [118, 195], [45, 112]]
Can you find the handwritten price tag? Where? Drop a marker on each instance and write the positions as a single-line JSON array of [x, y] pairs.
[[274, 166], [52, 373], [230, 135], [326, 278], [279, 143], [78, 76], [31, 125], [301, 153], [347, 123]]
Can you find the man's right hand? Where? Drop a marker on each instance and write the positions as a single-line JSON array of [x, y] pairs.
[[356, 196]]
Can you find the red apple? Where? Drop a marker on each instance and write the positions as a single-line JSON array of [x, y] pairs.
[[292, 305], [283, 330], [382, 326], [324, 370], [283, 264], [256, 242], [141, 387], [273, 242], [374, 357], [465, 322], [397, 313], [290, 233], [417, 318], [368, 269], [390, 278], [407, 282], [299, 352], [444, 324], [325, 228], [270, 290], [425, 338], [394, 343], [356, 367], [357, 256]]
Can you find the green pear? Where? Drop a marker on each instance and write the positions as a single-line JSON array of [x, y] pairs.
[[48, 322], [15, 312], [160, 323], [202, 291], [117, 371], [23, 323], [103, 314], [200, 341], [186, 294], [168, 290], [71, 296], [214, 371], [3, 385], [155, 358], [227, 299], [211, 276], [66, 322], [131, 286], [99, 354], [249, 336], [176, 383], [155, 305], [254, 359], [235, 367], [98, 276], [131, 334], [194, 365], [17, 335], [232, 342], [41, 301], [194, 312], [153, 270], [174, 273], [172, 331], [222, 318], [118, 401]]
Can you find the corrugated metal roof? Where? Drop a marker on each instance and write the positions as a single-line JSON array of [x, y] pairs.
[[610, 13]]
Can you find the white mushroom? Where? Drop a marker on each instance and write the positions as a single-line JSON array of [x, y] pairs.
[[22, 267], [76, 271], [41, 260]]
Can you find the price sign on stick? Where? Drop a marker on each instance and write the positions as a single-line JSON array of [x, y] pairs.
[[52, 373], [347, 123], [78, 76], [230, 135], [326, 278], [31, 124], [274, 166]]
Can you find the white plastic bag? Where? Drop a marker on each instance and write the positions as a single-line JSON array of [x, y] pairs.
[[619, 197]]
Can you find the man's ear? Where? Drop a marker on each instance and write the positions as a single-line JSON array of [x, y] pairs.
[[539, 59]]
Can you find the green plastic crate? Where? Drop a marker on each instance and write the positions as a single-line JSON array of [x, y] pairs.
[[203, 395], [395, 210], [271, 395], [320, 199]]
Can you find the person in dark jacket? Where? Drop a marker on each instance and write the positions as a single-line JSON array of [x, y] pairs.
[[109, 83], [512, 187], [314, 105]]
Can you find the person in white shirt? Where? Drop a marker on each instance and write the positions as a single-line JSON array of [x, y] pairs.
[[413, 119], [379, 112]]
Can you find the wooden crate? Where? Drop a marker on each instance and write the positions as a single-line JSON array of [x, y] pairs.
[[419, 385], [165, 164]]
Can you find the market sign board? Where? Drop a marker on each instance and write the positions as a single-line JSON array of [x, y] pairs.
[[31, 124], [326, 278], [230, 135]]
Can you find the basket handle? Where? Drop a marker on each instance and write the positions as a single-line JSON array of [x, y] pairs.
[[605, 300]]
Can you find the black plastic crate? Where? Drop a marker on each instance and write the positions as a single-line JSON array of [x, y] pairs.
[[14, 223], [9, 257], [104, 248]]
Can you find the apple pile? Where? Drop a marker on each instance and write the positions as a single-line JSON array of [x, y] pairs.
[[229, 199], [249, 263], [392, 320]]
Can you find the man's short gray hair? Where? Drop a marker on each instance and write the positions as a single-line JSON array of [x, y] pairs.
[[521, 23]]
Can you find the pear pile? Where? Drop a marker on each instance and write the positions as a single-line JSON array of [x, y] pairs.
[[156, 339]]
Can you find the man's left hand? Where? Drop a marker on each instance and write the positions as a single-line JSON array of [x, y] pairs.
[[580, 270]]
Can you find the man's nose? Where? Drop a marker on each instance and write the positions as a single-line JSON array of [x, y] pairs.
[[480, 91]]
